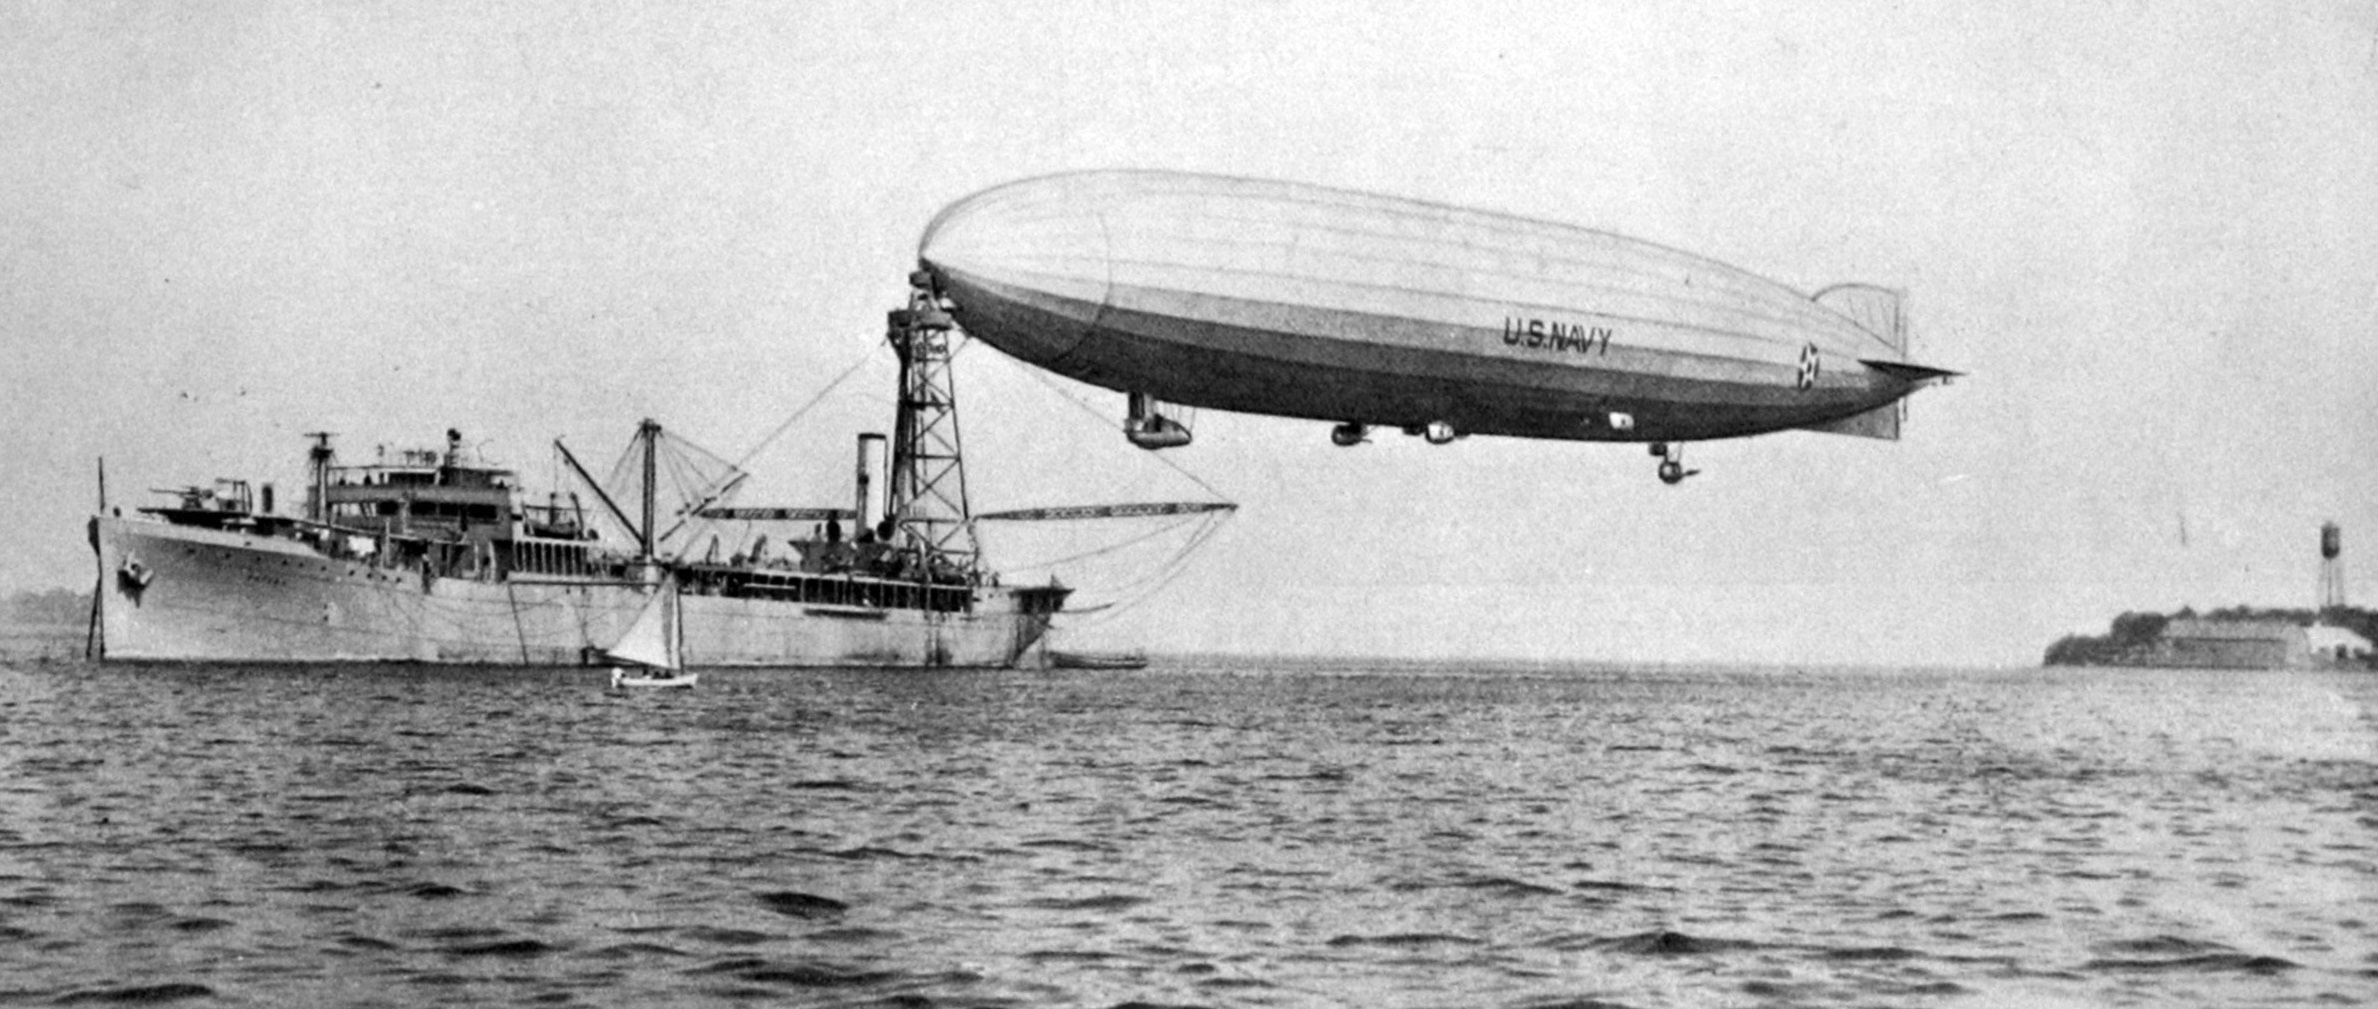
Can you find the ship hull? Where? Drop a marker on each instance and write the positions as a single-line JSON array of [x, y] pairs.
[[187, 594]]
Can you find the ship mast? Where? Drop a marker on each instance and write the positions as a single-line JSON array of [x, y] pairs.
[[928, 493], [648, 434]]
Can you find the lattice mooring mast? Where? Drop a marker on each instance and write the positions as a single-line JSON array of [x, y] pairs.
[[928, 491]]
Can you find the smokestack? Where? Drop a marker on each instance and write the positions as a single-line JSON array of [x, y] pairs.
[[864, 513]]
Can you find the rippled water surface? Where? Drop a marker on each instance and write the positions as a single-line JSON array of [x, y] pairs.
[[1215, 833]]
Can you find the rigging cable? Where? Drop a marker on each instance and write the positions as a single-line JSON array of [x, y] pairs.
[[1132, 594], [806, 407], [1043, 379], [1113, 548]]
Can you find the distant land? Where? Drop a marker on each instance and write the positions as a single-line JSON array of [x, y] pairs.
[[44, 625], [2237, 637], [50, 625]]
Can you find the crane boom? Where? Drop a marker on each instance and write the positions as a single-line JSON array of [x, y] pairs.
[[776, 514], [1061, 513]]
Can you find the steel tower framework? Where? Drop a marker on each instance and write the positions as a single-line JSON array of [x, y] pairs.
[[928, 492]]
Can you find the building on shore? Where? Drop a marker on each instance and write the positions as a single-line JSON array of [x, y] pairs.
[[2192, 642]]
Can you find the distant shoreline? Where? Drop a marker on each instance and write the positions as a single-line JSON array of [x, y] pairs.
[[41, 642], [2239, 637]]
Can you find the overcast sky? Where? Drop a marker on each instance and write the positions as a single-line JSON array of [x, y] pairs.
[[2150, 235]]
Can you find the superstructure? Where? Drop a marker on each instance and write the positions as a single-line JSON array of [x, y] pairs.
[[437, 556]]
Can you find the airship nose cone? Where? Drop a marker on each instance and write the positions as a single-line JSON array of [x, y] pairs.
[[1025, 263], [1043, 234]]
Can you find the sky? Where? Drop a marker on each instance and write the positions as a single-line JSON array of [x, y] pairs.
[[2147, 233]]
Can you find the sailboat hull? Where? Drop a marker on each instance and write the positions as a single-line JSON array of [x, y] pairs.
[[656, 683], [188, 594], [681, 680]]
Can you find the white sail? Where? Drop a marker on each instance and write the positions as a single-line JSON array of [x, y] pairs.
[[652, 640]]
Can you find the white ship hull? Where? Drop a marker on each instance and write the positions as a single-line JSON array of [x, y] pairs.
[[182, 593]]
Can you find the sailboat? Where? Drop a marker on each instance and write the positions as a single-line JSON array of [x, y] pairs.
[[654, 643]]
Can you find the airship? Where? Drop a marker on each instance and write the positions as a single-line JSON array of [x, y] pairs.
[[1378, 312]]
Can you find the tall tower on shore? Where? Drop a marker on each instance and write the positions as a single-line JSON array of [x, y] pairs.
[[2332, 567]]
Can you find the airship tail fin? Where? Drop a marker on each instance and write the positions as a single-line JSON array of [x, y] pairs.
[[1917, 374], [1879, 311], [1882, 423]]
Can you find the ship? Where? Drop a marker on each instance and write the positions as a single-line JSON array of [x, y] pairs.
[[438, 556]]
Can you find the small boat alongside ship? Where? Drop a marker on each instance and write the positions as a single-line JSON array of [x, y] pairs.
[[437, 556], [655, 644], [1096, 660]]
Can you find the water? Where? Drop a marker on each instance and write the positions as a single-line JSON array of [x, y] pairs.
[[1224, 833]]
